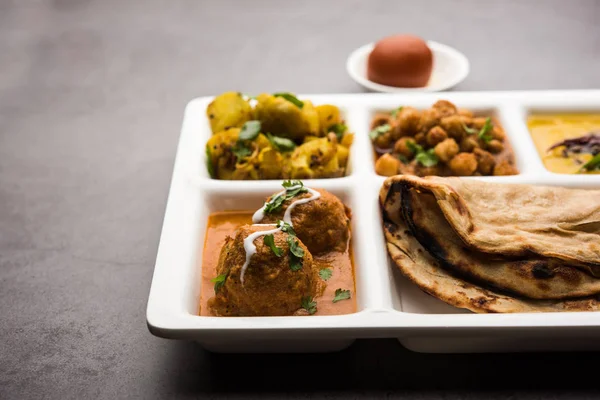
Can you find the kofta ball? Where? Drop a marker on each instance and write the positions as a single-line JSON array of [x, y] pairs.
[[272, 285], [323, 224], [400, 61]]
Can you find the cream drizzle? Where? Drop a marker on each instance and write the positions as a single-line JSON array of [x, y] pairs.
[[287, 217], [259, 215], [250, 248]]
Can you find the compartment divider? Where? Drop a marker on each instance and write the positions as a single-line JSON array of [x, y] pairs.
[[513, 117]]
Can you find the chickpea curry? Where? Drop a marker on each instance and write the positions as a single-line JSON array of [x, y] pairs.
[[442, 140], [275, 136], [567, 143], [291, 257]]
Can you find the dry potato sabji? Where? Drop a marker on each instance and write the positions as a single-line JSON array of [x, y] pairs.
[[281, 137], [281, 117], [235, 159], [229, 110]]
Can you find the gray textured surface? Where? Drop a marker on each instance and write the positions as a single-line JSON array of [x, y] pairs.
[[91, 100]]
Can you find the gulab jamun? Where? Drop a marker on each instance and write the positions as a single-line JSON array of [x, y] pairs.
[[400, 61]]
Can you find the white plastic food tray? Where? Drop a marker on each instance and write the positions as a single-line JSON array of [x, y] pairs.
[[388, 305]]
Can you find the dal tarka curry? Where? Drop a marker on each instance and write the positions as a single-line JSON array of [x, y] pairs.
[[567, 143], [290, 257]]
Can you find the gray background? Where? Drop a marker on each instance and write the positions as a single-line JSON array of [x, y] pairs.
[[91, 100]]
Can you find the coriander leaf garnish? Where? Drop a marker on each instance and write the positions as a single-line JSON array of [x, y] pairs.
[[270, 241], [396, 111], [380, 130], [427, 158], [295, 248], [209, 164], [292, 189], [274, 204], [291, 183], [341, 295], [296, 253], [241, 150], [309, 305], [250, 130], [484, 133], [402, 158], [285, 227], [295, 191], [592, 165], [338, 129], [219, 281], [413, 147], [295, 263], [281, 144], [325, 273], [291, 98], [470, 131]]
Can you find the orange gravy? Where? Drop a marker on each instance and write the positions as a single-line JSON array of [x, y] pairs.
[[224, 223]]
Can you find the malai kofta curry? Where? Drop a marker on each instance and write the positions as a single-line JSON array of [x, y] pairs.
[[290, 257], [567, 143], [275, 136], [442, 140]]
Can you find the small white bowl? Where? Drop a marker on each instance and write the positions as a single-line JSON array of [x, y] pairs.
[[450, 67]]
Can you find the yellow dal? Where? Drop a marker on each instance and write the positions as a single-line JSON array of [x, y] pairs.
[[548, 129]]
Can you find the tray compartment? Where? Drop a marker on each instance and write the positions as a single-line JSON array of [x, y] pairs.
[[195, 113], [509, 117], [571, 106], [218, 200]]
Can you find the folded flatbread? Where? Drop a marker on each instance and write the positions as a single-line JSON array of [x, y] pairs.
[[495, 247]]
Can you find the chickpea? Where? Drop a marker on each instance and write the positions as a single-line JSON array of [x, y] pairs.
[[465, 113], [401, 147], [384, 140], [468, 144], [429, 119], [444, 108], [463, 164], [446, 150], [421, 139], [485, 162], [504, 167], [498, 133], [495, 146], [380, 119], [453, 125], [387, 165], [478, 122], [436, 135], [407, 122]]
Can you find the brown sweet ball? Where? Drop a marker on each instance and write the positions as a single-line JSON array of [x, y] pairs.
[[400, 61]]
